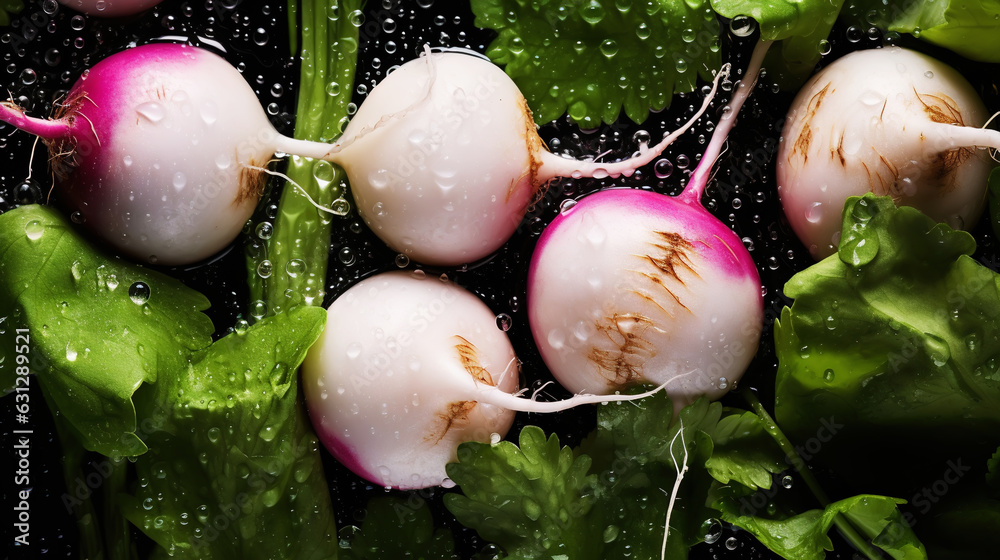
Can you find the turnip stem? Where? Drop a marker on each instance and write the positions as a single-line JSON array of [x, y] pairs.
[[699, 179], [47, 129], [555, 166], [845, 527]]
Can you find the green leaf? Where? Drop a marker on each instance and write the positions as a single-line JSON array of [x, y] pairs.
[[592, 59], [528, 498], [233, 468], [971, 29], [993, 472], [804, 536], [397, 528], [91, 344], [638, 449], [800, 25], [744, 452], [896, 332], [8, 7]]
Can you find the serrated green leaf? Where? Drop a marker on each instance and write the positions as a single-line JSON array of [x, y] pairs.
[[528, 498], [91, 345], [593, 59], [233, 468]]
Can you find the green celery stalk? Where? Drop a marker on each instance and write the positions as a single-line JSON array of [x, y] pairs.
[[298, 249]]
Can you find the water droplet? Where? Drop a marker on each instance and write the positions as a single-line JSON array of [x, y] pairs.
[[264, 230], [28, 76], [34, 230], [742, 26], [610, 533], [295, 267], [786, 482], [139, 293], [504, 322], [663, 168], [814, 213], [566, 205], [723, 383], [732, 543], [495, 438], [213, 434], [151, 111], [258, 309], [209, 113], [402, 261], [71, 353], [609, 48], [592, 12], [712, 530], [829, 376], [264, 269], [180, 181]]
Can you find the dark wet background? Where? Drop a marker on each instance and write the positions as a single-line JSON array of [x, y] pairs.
[[48, 46]]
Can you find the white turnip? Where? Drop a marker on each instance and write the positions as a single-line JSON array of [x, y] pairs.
[[159, 150], [889, 121], [631, 286], [408, 367], [444, 159]]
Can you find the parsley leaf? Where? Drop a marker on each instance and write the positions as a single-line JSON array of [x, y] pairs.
[[625, 490], [592, 59], [529, 498], [92, 344], [233, 468]]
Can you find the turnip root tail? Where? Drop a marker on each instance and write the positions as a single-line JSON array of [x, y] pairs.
[[553, 166], [491, 395], [46, 129], [699, 179], [943, 137], [681, 471]]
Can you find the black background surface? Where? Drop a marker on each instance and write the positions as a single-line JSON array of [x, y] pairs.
[[48, 46]]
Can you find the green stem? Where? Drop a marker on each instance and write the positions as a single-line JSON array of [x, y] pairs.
[[117, 533], [298, 250], [842, 523], [87, 522]]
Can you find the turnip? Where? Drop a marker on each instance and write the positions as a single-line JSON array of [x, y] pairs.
[[889, 121], [110, 8], [444, 159], [159, 150], [630, 286], [408, 367]]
